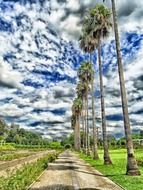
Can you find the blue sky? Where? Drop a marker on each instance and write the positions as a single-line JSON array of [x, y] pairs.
[[39, 57]]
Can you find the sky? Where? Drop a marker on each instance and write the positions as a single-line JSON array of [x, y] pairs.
[[39, 58]]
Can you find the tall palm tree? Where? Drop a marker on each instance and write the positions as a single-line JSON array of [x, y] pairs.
[[76, 110], [95, 146], [73, 125], [83, 80], [132, 168], [88, 44], [85, 74], [80, 90], [97, 23]]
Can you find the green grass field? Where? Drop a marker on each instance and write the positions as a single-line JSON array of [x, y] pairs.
[[116, 172]]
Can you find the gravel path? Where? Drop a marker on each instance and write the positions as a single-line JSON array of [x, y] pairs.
[[69, 172]]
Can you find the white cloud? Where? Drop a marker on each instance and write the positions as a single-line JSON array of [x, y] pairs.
[[12, 110], [73, 5], [8, 77]]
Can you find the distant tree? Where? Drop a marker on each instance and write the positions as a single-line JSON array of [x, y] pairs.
[[3, 127]]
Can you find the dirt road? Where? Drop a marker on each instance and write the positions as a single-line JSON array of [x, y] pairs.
[[69, 172]]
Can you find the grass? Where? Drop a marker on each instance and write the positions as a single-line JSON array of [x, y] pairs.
[[116, 172]]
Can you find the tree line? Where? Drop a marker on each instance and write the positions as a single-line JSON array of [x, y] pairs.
[[96, 27], [15, 134]]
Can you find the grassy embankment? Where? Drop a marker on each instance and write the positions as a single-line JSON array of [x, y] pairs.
[[24, 176], [116, 172]]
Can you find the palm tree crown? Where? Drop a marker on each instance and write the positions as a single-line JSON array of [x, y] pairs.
[[98, 22]]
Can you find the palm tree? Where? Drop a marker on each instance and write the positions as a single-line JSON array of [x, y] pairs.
[[88, 44], [85, 74], [132, 167], [80, 90], [97, 23], [95, 146], [73, 125], [85, 87], [76, 110]]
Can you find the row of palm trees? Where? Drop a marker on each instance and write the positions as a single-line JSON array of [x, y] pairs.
[[96, 26]]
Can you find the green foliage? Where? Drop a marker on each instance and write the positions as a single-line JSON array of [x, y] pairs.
[[136, 136], [116, 172], [3, 127], [12, 156], [97, 22], [86, 73], [7, 146], [68, 140], [15, 134], [29, 146], [55, 145], [26, 175], [20, 136]]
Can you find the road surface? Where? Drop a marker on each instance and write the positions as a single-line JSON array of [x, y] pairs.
[[69, 172]]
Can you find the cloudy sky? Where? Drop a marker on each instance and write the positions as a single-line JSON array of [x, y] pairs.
[[39, 57]]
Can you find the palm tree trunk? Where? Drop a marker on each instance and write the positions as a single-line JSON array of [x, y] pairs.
[[88, 137], [132, 168], [95, 147], [86, 127], [83, 125], [107, 159], [77, 135]]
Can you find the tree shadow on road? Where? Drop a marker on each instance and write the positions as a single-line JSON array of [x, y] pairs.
[[88, 164], [101, 175], [61, 187], [61, 167], [64, 162]]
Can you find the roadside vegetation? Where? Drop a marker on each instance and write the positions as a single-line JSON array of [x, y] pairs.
[[12, 156], [23, 177], [116, 172]]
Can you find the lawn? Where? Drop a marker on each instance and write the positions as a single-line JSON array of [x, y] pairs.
[[116, 172]]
